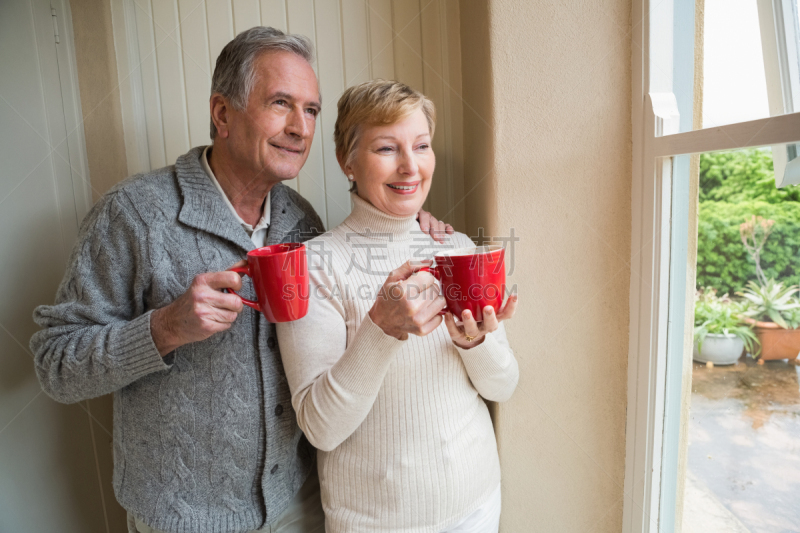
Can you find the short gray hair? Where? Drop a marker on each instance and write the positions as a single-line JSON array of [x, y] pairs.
[[235, 75]]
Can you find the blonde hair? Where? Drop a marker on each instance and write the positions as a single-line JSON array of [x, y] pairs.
[[373, 103]]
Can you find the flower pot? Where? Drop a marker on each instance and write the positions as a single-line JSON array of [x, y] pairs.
[[719, 349], [777, 342]]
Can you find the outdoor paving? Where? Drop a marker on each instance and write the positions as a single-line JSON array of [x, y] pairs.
[[744, 449]]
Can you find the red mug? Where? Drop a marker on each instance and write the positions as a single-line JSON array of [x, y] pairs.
[[280, 279], [471, 278]]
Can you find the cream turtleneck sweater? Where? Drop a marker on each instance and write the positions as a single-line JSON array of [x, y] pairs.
[[405, 440]]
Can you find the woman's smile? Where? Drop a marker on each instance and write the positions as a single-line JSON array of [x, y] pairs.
[[401, 187]]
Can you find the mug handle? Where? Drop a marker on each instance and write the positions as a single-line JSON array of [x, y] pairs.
[[436, 274], [245, 270]]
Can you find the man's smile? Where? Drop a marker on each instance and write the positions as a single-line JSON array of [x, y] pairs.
[[288, 149]]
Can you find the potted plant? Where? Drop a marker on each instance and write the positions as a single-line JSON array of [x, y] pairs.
[[774, 313], [720, 334], [772, 309]]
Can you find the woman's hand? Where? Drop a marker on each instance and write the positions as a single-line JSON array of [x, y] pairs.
[[435, 228], [469, 333], [408, 302]]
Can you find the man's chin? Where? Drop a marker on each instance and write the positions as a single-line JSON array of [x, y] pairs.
[[287, 174], [283, 172]]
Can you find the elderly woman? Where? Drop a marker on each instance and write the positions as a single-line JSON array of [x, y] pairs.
[[390, 395]]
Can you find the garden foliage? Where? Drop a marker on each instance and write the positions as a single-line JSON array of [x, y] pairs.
[[734, 186], [742, 175]]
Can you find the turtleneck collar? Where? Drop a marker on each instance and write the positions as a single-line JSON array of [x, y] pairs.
[[369, 221]]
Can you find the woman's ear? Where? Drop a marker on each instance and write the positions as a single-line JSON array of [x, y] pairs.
[[346, 169]]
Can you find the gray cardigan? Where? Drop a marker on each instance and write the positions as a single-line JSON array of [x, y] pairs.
[[205, 440]]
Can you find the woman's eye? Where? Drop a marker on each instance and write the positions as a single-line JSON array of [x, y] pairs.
[[385, 149], [423, 147]]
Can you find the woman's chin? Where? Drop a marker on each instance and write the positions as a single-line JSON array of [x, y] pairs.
[[397, 205], [404, 207]]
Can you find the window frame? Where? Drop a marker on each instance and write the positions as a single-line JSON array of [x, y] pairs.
[[778, 22], [659, 242]]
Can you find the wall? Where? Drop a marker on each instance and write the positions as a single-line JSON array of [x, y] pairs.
[[548, 153], [169, 48], [97, 75], [105, 150], [479, 120], [55, 460]]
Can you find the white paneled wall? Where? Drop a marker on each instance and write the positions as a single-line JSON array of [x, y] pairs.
[[166, 51]]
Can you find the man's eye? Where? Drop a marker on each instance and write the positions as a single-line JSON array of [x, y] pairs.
[[281, 102], [313, 112]]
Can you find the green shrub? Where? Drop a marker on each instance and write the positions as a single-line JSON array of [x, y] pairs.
[[722, 262], [740, 176]]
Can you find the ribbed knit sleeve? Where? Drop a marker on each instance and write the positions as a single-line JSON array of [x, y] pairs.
[[334, 384], [492, 367], [96, 337]]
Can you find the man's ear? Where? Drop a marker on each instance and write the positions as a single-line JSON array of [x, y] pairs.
[[219, 114]]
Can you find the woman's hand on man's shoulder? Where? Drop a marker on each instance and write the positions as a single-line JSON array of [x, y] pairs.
[[437, 229]]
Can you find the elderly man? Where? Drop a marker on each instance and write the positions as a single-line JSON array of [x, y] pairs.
[[205, 438]]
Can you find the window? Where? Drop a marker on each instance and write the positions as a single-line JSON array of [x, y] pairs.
[[664, 136]]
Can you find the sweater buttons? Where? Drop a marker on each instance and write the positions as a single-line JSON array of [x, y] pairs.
[[274, 469], [278, 410], [271, 343]]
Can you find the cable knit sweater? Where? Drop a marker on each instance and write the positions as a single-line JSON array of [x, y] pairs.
[[405, 440], [204, 439]]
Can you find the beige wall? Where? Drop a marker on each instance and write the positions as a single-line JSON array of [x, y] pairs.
[[479, 126], [548, 115], [105, 150], [55, 459], [97, 76]]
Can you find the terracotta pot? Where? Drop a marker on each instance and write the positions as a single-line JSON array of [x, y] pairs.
[[776, 342]]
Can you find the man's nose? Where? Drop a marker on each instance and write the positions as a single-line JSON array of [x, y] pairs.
[[296, 124]]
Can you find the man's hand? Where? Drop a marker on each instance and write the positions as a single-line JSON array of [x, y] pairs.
[[198, 313], [438, 230], [408, 302]]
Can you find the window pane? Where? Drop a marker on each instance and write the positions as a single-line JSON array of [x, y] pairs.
[[734, 83], [743, 468]]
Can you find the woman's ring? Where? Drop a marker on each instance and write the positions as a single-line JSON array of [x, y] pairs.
[[470, 339]]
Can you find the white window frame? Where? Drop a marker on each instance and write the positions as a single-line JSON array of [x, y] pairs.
[[658, 252], [778, 23]]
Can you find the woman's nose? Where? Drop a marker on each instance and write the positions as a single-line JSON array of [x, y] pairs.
[[408, 164]]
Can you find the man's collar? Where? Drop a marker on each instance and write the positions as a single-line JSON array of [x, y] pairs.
[[203, 207], [265, 213]]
